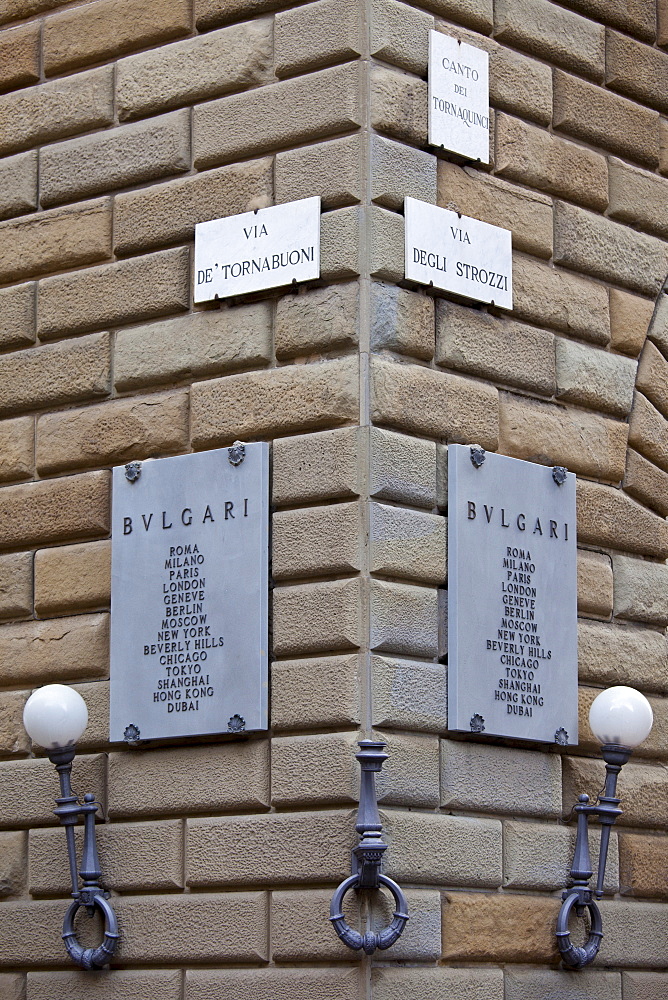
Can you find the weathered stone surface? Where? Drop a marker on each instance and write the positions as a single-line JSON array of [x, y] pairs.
[[26, 800], [17, 449], [646, 482], [566, 984], [592, 378], [17, 315], [18, 181], [61, 649], [550, 434], [608, 517], [648, 431], [629, 320], [276, 983], [560, 300], [643, 788], [402, 321], [434, 404], [643, 865], [403, 468], [55, 510], [316, 466], [72, 577], [316, 35], [13, 863], [540, 855], [280, 401], [193, 70], [616, 654], [464, 851], [332, 168], [484, 778], [407, 544], [321, 320], [314, 769], [594, 583], [393, 983], [403, 619], [499, 928], [16, 585], [652, 378], [317, 617], [335, 532], [408, 694], [119, 984], [641, 590], [316, 692], [557, 35]]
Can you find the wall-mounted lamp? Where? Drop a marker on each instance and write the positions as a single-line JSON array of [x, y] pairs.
[[620, 718], [55, 716], [367, 859]]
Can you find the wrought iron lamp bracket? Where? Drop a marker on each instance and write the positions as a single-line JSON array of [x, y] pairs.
[[579, 894], [90, 894], [367, 860]]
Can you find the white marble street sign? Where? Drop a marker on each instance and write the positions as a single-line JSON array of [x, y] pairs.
[[458, 254], [512, 599], [264, 249], [189, 595], [458, 97]]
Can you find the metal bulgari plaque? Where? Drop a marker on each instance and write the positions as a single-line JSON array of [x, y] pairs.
[[458, 254], [264, 249], [512, 598], [189, 595], [458, 97]]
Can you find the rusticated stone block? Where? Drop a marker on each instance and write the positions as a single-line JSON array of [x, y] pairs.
[[13, 737], [18, 181], [407, 543], [403, 619], [629, 321], [462, 851], [646, 482], [316, 617], [317, 466], [269, 850], [17, 315], [72, 577], [300, 930], [608, 517], [567, 984], [317, 692], [146, 856], [19, 56], [499, 928], [322, 319], [641, 590], [66, 372], [193, 70], [648, 431], [115, 432], [644, 985], [490, 346], [637, 70], [129, 290], [594, 583], [399, 105], [409, 694], [604, 119], [55, 510], [223, 778], [119, 984], [322, 33], [484, 778], [276, 983], [104, 30], [585, 443], [642, 788], [116, 158], [643, 865], [336, 534], [280, 401], [403, 468], [608, 250], [434, 404], [402, 320], [60, 649], [332, 168], [27, 792], [594, 378], [392, 983], [637, 196], [653, 377], [54, 110], [556, 34], [551, 297], [12, 986], [13, 863], [397, 168], [636, 934], [306, 770], [17, 449], [540, 855], [16, 585], [165, 213], [285, 114], [617, 654], [195, 345], [60, 238], [411, 777]]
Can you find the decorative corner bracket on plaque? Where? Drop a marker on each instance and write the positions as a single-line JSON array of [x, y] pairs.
[[367, 861], [477, 723], [236, 724], [559, 473], [561, 737], [132, 735], [236, 453], [133, 471], [477, 455]]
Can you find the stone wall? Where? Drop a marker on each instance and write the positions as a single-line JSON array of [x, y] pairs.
[[121, 126]]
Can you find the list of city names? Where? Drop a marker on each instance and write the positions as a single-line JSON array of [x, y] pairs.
[[186, 633]]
